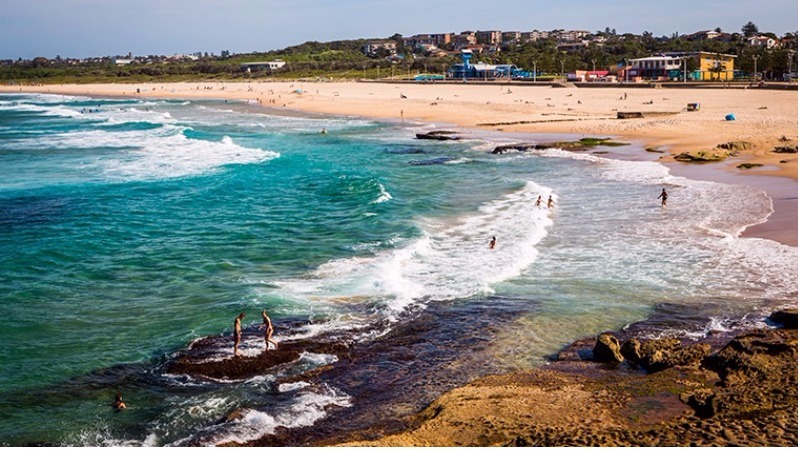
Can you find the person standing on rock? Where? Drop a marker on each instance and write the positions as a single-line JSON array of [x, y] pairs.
[[237, 333], [268, 330]]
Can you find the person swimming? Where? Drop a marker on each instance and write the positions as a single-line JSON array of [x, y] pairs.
[[492, 243], [539, 201], [118, 403], [550, 202]]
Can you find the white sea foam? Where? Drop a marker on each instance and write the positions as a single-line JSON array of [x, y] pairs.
[[384, 196], [309, 406], [451, 260], [179, 156]]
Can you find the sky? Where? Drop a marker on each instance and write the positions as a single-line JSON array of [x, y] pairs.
[[86, 28]]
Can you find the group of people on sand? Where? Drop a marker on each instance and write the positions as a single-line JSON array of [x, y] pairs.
[[237, 331]]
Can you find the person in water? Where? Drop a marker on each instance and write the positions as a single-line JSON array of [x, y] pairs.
[[268, 330], [539, 201], [492, 243], [550, 202], [663, 197], [237, 333], [118, 403]]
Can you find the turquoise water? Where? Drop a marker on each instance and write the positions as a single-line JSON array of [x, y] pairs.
[[131, 230]]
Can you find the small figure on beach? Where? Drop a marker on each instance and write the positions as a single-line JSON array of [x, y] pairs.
[[539, 201], [237, 333], [663, 197], [118, 403], [492, 243], [550, 202], [267, 324]]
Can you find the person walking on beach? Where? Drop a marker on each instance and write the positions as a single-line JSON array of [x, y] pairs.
[[237, 333], [550, 202], [663, 197], [492, 243], [268, 330]]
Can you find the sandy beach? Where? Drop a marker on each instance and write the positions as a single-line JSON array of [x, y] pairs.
[[764, 118]]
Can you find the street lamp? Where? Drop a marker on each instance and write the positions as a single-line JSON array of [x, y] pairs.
[[684, 58], [593, 66], [562, 70]]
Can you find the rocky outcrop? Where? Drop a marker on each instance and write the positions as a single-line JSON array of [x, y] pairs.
[[658, 354], [734, 147], [786, 318], [578, 403], [575, 146], [439, 135], [607, 349], [500, 149]]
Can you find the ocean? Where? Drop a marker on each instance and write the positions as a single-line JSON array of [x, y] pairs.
[[131, 229]]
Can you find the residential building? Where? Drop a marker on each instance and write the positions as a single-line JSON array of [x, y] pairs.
[[762, 41], [465, 39], [373, 47], [536, 35], [492, 37], [512, 37]]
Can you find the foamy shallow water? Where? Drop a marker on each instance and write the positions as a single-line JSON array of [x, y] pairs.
[[143, 226]]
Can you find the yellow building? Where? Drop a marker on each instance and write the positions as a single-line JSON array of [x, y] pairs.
[[714, 67]]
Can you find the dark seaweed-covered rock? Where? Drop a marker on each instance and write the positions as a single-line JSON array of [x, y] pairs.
[[786, 317], [500, 149], [242, 367], [785, 149], [699, 157], [580, 145], [734, 147], [439, 135]]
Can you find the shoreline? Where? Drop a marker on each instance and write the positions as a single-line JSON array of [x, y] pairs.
[[666, 128], [781, 188]]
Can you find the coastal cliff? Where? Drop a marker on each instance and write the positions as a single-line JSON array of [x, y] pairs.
[[743, 392]]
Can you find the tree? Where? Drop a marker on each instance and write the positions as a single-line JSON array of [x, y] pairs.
[[749, 29]]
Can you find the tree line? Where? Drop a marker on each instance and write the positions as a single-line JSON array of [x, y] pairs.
[[345, 58]]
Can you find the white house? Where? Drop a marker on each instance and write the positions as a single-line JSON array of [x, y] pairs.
[[269, 65], [762, 41]]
